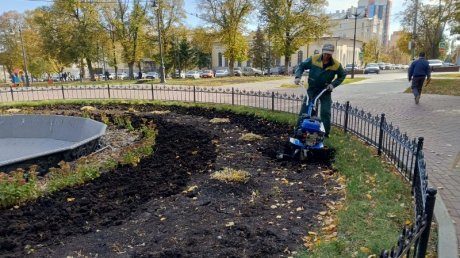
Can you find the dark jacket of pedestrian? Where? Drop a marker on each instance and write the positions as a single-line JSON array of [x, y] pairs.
[[419, 68]]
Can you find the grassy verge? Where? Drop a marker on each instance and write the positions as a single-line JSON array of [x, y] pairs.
[[377, 204], [447, 75], [441, 86], [187, 82], [346, 81]]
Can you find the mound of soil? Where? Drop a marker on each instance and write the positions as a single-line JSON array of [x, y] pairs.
[[168, 206]]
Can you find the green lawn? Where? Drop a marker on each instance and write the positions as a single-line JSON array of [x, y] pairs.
[[346, 81], [441, 86]]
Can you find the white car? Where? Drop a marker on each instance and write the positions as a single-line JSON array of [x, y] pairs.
[[222, 73], [435, 63], [151, 75], [122, 76], [192, 74]]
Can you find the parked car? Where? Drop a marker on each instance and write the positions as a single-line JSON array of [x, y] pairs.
[[372, 68], [122, 76], [222, 73], [348, 67], [405, 66], [207, 74], [388, 66], [435, 63], [151, 75], [177, 75], [237, 71], [279, 70], [381, 66], [250, 71], [192, 74]]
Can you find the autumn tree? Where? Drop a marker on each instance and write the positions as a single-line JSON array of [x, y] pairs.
[[371, 51], [172, 15], [70, 30], [201, 41], [431, 24], [293, 23], [10, 48], [229, 17]]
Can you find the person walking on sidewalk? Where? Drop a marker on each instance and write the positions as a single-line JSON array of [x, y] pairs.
[[418, 71], [323, 70]]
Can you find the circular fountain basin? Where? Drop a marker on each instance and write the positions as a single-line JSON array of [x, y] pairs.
[[31, 137]]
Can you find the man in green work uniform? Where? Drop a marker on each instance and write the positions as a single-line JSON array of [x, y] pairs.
[[323, 70]]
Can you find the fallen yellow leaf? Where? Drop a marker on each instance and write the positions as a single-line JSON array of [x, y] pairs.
[[70, 199], [365, 250]]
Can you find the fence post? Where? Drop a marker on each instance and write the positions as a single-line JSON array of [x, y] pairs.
[[429, 209], [273, 101], [380, 146], [194, 94], [62, 90], [151, 89], [108, 89], [345, 125], [12, 95], [416, 168], [233, 96]]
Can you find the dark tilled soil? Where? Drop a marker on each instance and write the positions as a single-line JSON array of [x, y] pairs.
[[168, 206]]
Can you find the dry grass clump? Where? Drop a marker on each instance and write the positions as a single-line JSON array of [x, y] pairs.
[[87, 108], [13, 110], [251, 137], [230, 175], [161, 112], [217, 120]]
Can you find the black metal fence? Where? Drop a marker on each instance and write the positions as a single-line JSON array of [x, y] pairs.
[[405, 153]]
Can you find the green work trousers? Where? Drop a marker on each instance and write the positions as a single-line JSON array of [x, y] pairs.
[[326, 104]]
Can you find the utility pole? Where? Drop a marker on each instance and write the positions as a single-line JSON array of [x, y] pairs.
[[414, 31], [156, 6], [24, 58]]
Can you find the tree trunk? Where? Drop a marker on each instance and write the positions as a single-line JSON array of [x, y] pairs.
[[287, 58], [231, 64], [131, 70], [90, 69], [82, 69]]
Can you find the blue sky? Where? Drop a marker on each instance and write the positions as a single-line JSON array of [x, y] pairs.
[[190, 7]]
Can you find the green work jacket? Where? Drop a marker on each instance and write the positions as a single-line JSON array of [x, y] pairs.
[[319, 77]]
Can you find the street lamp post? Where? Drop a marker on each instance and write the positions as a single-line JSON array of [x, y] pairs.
[[356, 15], [156, 6], [24, 58]]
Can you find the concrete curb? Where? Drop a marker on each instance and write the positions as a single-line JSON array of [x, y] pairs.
[[447, 237]]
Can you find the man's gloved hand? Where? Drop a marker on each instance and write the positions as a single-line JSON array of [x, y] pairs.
[[330, 87], [297, 81]]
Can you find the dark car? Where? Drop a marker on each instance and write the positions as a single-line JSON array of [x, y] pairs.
[[372, 68]]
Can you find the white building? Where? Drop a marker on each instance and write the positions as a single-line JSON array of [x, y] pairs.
[[343, 53], [366, 28]]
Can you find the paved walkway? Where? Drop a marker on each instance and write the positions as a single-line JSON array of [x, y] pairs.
[[436, 118]]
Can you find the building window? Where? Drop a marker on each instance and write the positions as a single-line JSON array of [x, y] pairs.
[[278, 61], [220, 59], [226, 62], [299, 56], [239, 63]]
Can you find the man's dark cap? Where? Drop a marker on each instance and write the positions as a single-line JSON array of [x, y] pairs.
[[422, 54]]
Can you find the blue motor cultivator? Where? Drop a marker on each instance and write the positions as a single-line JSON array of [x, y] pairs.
[[308, 136]]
